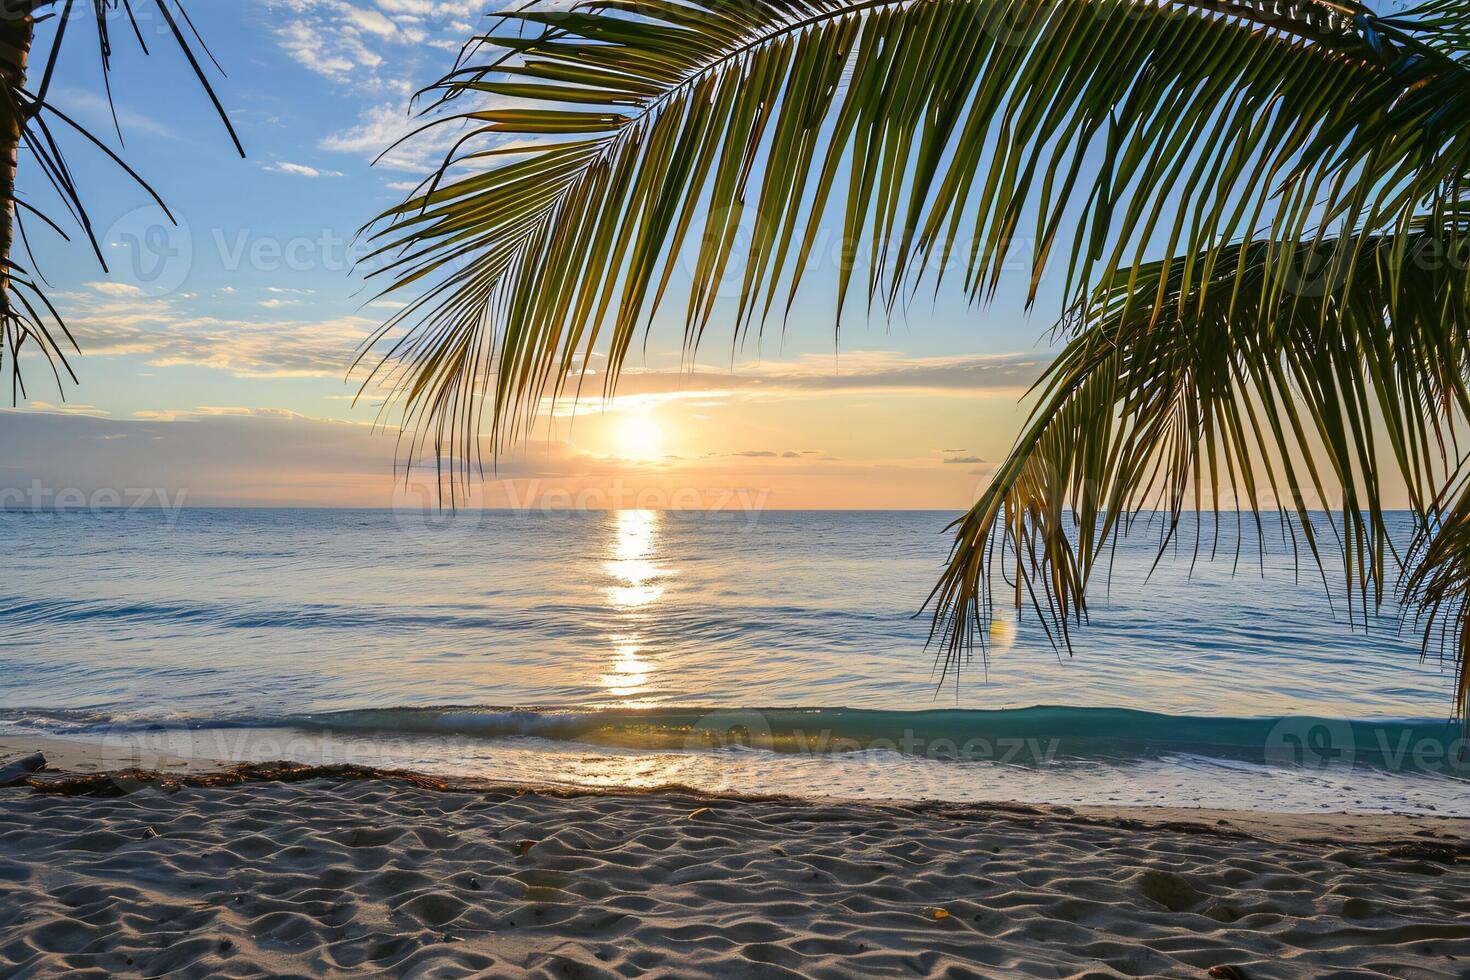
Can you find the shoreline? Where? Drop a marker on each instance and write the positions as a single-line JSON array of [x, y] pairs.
[[309, 870], [79, 758]]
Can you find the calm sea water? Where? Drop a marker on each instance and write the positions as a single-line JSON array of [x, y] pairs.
[[638, 647]]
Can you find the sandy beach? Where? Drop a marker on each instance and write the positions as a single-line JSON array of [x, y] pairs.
[[319, 874]]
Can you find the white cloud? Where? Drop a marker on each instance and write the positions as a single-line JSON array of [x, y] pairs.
[[335, 54], [852, 371], [417, 8], [370, 21], [298, 169], [115, 289], [70, 408], [396, 46], [385, 51], [386, 125], [167, 334]]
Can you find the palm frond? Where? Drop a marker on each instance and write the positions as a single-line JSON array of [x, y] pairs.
[[611, 142], [1436, 587], [34, 130], [1180, 397], [1179, 163]]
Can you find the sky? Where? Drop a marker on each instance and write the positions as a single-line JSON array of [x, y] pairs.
[[216, 352]]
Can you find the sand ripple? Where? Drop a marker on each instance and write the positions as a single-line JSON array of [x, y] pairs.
[[351, 877]]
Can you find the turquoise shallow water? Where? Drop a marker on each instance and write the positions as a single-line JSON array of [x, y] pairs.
[[774, 649]]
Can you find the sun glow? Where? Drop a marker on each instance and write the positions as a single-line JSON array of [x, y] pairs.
[[639, 436]]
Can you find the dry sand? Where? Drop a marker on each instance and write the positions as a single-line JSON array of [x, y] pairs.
[[353, 876]]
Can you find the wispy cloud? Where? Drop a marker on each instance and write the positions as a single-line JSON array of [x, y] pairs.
[[382, 134], [298, 169], [70, 408], [386, 52], [391, 46], [855, 371], [115, 288], [111, 321], [98, 113]]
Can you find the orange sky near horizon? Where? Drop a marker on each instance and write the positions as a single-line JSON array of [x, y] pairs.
[[888, 431]]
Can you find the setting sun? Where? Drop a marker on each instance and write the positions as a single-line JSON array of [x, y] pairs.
[[639, 436]]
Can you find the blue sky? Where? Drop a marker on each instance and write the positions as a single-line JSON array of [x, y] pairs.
[[250, 308]]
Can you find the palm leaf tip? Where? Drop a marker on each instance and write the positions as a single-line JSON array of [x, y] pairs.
[[1436, 588]]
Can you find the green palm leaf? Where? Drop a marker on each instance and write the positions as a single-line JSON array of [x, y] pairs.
[[1174, 162], [1328, 396], [625, 137], [1436, 586]]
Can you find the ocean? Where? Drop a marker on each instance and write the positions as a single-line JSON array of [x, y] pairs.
[[742, 651]]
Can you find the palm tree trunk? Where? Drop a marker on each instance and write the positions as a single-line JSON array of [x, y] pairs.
[[17, 31]]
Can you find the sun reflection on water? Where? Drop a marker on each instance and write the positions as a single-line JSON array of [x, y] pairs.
[[632, 564], [629, 673], [638, 584], [1003, 628]]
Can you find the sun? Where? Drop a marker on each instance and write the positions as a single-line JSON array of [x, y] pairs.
[[639, 436]]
